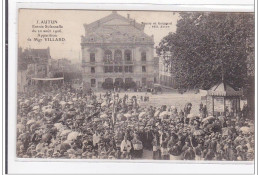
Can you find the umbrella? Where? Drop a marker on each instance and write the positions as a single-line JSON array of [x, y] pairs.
[[45, 107], [41, 101], [123, 118], [119, 115], [96, 119], [20, 126], [90, 106], [103, 116], [70, 102], [79, 117], [164, 113], [36, 107], [30, 122], [106, 124], [65, 146], [142, 114], [226, 131], [62, 102], [46, 137], [191, 116], [245, 129], [127, 115], [173, 107], [39, 147], [65, 132], [103, 104], [71, 151], [156, 114], [58, 126], [73, 136], [34, 126], [208, 118], [221, 118], [198, 132], [74, 99]]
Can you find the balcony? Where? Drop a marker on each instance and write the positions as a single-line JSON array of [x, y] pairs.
[[85, 63], [129, 62]]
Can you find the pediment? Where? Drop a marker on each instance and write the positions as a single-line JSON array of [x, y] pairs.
[[116, 22]]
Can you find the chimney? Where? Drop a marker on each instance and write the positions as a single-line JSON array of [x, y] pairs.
[[128, 16], [134, 22]]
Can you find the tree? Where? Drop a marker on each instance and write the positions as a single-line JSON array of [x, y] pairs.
[[206, 46]]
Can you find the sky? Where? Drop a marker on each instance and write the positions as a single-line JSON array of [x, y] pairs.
[[72, 22]]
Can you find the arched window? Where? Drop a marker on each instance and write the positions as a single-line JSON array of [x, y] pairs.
[[128, 56], [108, 56], [143, 56], [118, 56]]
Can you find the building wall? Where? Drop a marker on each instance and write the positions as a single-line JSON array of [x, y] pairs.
[[136, 64], [21, 80], [166, 77], [113, 33], [32, 63]]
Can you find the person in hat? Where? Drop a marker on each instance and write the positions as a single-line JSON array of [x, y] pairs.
[[156, 148], [198, 151], [210, 154], [164, 151], [96, 139], [137, 147], [189, 154], [126, 146]]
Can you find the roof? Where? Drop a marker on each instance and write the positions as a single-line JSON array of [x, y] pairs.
[[48, 79], [223, 89], [115, 28], [117, 19], [41, 53]]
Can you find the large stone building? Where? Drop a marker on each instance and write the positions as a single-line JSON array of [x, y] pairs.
[[115, 49]]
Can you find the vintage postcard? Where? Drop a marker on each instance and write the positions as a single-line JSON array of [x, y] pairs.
[[135, 85]]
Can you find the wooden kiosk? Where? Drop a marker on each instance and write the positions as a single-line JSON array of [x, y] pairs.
[[222, 98]]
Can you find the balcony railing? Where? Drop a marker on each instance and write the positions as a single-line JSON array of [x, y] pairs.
[[129, 62]]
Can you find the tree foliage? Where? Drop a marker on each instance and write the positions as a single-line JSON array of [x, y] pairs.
[[205, 45]]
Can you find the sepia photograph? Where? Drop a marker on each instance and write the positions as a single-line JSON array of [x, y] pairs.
[[135, 85]]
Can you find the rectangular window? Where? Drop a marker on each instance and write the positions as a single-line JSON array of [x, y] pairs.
[[130, 69], [128, 56], [105, 69], [116, 69], [143, 55], [93, 82], [143, 69], [143, 81], [110, 69], [128, 80], [92, 69], [126, 69], [120, 69], [92, 57]]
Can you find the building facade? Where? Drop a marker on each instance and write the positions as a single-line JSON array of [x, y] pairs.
[[115, 49], [166, 77], [32, 63]]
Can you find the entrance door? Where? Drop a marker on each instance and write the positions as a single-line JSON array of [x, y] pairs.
[[119, 82]]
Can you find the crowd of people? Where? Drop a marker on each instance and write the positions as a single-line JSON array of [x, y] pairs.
[[67, 123]]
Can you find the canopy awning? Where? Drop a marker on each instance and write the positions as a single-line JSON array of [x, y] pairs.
[[223, 89], [157, 85], [48, 79]]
